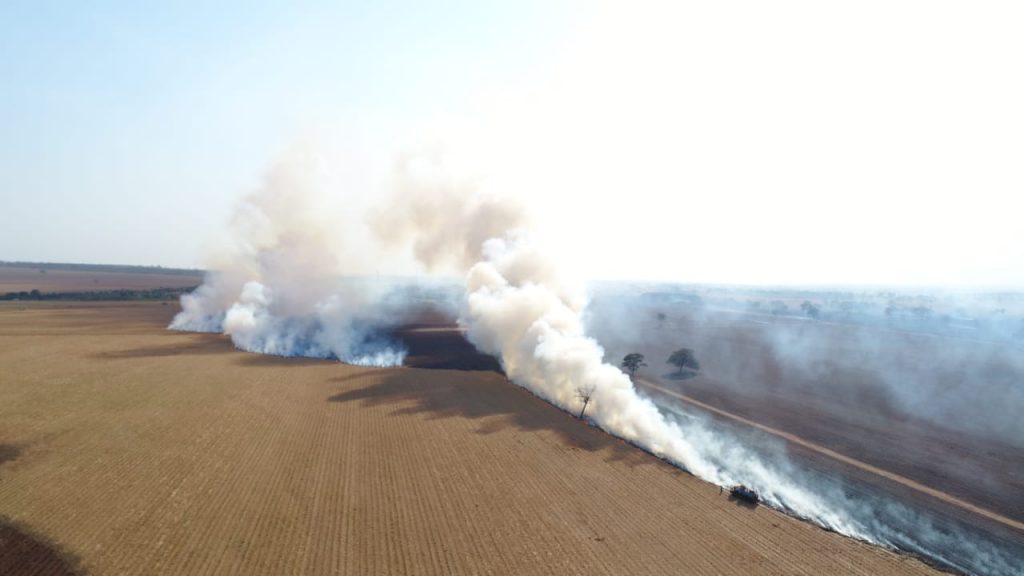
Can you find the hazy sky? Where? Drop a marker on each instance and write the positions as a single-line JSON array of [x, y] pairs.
[[749, 142]]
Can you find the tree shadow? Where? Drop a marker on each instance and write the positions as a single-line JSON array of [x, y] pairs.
[[680, 376], [24, 552], [489, 398]]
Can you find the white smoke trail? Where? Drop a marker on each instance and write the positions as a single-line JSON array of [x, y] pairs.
[[520, 309], [280, 289]]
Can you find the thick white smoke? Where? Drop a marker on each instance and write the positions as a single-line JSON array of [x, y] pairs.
[[281, 287], [282, 290], [517, 309], [520, 309]]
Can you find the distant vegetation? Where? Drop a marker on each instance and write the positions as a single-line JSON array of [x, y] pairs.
[[122, 268], [810, 309], [100, 295], [684, 358], [993, 315]]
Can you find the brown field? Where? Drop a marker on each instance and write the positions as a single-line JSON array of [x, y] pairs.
[[18, 279], [127, 449]]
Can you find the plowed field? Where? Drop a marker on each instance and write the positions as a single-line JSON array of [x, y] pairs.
[[127, 449]]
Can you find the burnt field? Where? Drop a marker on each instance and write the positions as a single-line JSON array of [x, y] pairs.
[[148, 451], [878, 415]]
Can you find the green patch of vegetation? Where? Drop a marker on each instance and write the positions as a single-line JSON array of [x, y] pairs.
[[122, 268], [100, 295]]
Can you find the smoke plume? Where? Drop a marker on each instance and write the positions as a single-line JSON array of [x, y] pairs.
[[443, 217], [280, 287], [520, 309]]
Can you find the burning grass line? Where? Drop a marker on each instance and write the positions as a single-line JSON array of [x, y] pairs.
[[907, 482]]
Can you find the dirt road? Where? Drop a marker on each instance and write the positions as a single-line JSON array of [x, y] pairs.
[[793, 439]]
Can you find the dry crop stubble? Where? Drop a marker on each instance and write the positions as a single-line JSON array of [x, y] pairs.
[[147, 451]]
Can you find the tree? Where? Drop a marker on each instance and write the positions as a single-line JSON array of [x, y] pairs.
[[585, 393], [809, 309], [632, 362], [921, 312], [684, 358], [779, 308]]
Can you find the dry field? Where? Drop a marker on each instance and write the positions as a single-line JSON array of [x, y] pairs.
[[742, 375], [17, 279], [127, 449], [833, 420]]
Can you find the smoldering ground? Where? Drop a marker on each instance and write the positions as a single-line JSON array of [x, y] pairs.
[[828, 383], [851, 503]]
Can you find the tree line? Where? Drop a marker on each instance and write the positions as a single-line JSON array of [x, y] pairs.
[[122, 268], [101, 295]]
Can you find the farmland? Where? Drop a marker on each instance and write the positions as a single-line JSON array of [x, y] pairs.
[[57, 278], [130, 449]]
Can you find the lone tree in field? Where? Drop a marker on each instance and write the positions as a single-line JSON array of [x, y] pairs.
[[684, 358], [810, 310], [585, 393], [632, 362]]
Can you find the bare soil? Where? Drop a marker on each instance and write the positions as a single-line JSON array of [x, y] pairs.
[[143, 451]]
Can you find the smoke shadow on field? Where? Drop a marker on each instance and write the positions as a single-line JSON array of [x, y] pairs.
[[494, 402], [259, 359], [679, 377], [8, 453], [357, 375], [199, 344], [24, 552]]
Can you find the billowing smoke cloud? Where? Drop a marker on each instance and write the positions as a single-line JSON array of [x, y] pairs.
[[516, 309], [280, 288], [520, 309], [444, 217]]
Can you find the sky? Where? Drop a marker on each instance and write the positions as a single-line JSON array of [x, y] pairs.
[[727, 142]]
